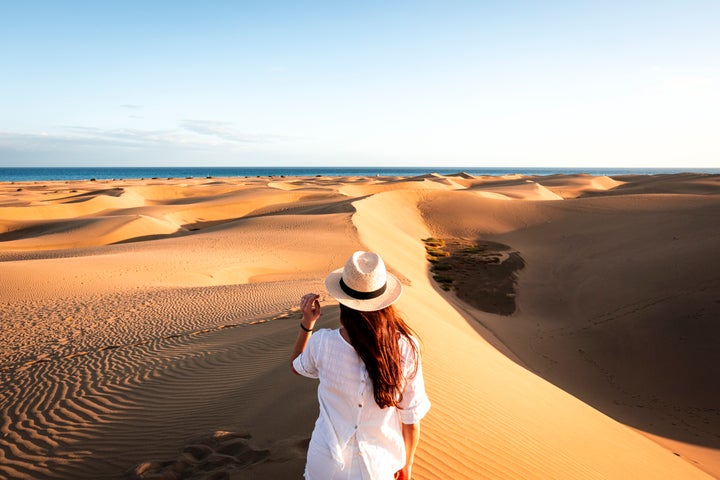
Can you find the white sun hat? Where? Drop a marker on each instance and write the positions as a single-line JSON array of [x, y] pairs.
[[363, 283]]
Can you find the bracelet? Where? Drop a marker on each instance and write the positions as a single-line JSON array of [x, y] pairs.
[[309, 330]]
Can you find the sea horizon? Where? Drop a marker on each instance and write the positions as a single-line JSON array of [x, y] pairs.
[[30, 174]]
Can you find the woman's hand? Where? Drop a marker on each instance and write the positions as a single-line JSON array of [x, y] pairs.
[[310, 307], [403, 474]]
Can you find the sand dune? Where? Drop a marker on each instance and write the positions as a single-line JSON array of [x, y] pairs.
[[84, 232], [518, 190], [579, 185], [426, 182], [146, 325], [688, 184], [73, 206], [476, 381]]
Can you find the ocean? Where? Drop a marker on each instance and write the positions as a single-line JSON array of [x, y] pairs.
[[37, 174]]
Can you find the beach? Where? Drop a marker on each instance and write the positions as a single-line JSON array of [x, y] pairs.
[[146, 325]]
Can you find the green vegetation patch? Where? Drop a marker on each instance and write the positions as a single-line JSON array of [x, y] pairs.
[[433, 242], [436, 252], [481, 273]]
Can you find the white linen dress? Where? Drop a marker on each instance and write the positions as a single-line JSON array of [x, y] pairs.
[[353, 438]]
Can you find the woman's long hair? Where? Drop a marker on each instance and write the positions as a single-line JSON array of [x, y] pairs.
[[376, 338]]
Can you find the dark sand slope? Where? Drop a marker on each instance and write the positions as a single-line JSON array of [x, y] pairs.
[[619, 304]]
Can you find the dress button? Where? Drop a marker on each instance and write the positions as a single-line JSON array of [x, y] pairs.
[[360, 405], [355, 427]]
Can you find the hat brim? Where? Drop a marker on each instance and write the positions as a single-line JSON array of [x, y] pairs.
[[391, 294]]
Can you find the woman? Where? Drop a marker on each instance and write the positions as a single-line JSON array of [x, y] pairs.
[[371, 392]]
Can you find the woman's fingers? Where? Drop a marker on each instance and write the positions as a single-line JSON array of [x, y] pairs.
[[310, 301], [310, 306]]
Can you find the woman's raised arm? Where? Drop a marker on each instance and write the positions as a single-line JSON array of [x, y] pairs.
[[310, 307]]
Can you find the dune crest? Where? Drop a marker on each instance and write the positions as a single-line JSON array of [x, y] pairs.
[[494, 410]]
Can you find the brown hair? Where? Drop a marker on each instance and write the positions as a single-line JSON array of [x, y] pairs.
[[375, 337]]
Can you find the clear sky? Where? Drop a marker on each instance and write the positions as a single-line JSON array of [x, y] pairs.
[[396, 83]]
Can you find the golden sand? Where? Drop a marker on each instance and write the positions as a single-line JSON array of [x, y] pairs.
[[146, 325]]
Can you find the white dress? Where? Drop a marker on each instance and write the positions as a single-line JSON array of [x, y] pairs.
[[353, 438]]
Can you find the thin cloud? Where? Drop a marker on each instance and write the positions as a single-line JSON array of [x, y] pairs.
[[122, 137], [193, 134], [224, 131]]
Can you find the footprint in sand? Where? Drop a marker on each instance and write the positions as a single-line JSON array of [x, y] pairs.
[[209, 458]]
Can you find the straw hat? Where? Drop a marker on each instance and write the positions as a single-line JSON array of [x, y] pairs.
[[363, 283]]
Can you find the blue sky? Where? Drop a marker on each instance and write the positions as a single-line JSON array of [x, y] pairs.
[[452, 83]]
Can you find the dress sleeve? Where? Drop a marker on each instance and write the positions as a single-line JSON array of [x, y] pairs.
[[306, 363], [415, 402]]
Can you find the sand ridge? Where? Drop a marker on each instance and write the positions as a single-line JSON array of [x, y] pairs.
[[146, 324]]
